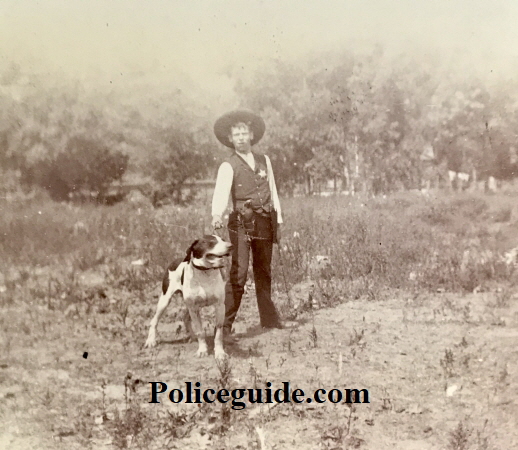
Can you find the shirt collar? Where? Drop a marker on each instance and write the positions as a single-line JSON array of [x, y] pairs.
[[248, 158], [244, 155]]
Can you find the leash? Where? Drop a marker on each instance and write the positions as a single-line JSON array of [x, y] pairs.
[[246, 232], [248, 236], [173, 225], [249, 239]]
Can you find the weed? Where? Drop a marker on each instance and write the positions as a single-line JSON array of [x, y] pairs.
[[463, 343], [503, 376], [316, 377], [503, 297], [129, 428], [84, 424], [356, 338], [253, 349], [459, 437], [122, 309], [313, 336], [356, 341], [47, 398], [482, 440], [176, 425], [267, 363], [103, 404], [132, 427], [387, 405], [466, 313], [340, 434], [288, 344], [224, 382], [131, 280], [255, 376], [225, 373], [447, 363]]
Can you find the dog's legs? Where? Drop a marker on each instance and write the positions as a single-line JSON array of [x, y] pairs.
[[219, 351], [160, 308], [197, 327], [187, 321]]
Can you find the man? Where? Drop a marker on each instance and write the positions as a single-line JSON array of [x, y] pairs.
[[254, 222]]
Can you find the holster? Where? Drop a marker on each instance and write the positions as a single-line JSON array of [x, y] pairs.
[[246, 213]]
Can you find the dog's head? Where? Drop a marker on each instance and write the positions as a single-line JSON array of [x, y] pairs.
[[208, 252]]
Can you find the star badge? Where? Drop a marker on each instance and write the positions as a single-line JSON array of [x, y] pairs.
[[262, 173]]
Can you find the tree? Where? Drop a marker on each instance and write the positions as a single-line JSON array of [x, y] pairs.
[[367, 106], [84, 170], [180, 155]]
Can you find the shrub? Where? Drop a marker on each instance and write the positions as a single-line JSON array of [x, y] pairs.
[[178, 158], [84, 170]]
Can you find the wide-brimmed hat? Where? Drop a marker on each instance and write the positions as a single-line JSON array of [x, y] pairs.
[[225, 122]]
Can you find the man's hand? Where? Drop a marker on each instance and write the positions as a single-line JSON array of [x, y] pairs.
[[217, 223]]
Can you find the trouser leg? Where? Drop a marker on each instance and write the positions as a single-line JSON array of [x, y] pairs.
[[262, 268], [235, 286]]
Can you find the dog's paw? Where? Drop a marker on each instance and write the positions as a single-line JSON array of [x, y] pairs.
[[220, 354], [150, 343], [203, 351]]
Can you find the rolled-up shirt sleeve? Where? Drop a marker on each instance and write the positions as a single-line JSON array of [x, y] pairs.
[[222, 189], [273, 190]]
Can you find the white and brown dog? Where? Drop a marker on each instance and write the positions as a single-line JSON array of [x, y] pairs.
[[198, 279]]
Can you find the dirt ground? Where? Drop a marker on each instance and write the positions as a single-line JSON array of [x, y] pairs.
[[441, 371]]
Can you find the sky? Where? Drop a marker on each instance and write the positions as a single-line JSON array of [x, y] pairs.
[[199, 39]]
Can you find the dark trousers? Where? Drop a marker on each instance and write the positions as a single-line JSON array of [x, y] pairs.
[[257, 237]]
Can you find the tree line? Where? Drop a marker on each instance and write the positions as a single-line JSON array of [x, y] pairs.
[[366, 121], [380, 125]]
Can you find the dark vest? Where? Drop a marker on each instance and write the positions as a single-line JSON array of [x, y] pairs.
[[248, 184]]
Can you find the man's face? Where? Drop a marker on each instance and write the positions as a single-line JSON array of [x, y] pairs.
[[240, 136]]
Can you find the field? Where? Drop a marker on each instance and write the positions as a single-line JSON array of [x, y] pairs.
[[418, 305]]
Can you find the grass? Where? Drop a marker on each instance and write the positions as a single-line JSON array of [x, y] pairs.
[[75, 259], [396, 242], [69, 287]]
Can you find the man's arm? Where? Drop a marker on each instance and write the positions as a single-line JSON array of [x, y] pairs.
[[221, 193], [273, 190]]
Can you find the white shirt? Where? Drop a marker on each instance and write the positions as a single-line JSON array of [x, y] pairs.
[[224, 185]]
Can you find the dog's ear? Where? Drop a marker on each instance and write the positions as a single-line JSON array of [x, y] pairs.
[[189, 251]]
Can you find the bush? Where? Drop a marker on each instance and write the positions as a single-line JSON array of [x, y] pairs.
[[84, 170], [179, 157]]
